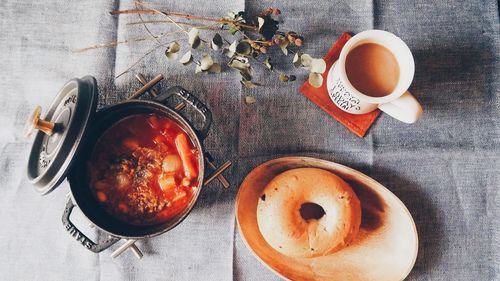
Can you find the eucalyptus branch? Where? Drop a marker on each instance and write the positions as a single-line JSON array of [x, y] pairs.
[[263, 34]]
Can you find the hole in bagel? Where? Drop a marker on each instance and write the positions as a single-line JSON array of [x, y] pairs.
[[311, 211]]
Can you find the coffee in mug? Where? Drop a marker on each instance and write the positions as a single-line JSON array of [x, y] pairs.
[[374, 70]]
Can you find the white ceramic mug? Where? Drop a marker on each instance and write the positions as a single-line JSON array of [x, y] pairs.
[[400, 104]]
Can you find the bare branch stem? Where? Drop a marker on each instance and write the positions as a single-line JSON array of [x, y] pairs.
[[141, 58], [144, 24], [127, 41], [181, 15]]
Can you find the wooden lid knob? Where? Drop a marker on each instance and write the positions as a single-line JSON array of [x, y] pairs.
[[35, 123]]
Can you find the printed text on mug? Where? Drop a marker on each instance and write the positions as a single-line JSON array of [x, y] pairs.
[[343, 98]]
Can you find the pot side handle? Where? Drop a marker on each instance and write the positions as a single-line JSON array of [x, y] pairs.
[[79, 236], [194, 102]]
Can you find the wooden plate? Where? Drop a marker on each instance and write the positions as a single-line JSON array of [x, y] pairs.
[[386, 246]]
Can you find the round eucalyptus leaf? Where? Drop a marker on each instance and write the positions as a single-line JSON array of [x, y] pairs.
[[206, 62], [217, 42], [215, 68], [297, 59], [267, 63], [198, 69], [306, 61], [243, 48], [172, 49], [318, 66], [194, 38], [315, 79], [283, 46], [240, 63], [187, 58]]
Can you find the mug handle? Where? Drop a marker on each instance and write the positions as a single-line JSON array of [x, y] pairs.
[[406, 108]]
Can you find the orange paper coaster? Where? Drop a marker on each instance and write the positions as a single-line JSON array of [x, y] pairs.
[[357, 123]]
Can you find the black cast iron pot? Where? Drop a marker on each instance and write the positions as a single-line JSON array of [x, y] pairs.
[[77, 174]]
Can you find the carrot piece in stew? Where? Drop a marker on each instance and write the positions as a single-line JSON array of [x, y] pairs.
[[182, 145]]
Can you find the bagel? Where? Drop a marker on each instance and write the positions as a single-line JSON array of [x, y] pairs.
[[308, 212]]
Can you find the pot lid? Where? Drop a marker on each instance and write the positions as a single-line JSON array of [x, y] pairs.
[[60, 133]]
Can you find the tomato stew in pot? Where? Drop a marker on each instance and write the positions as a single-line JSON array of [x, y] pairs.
[[143, 170]]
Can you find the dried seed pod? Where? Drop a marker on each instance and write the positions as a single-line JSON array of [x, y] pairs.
[[265, 12], [263, 49], [299, 41], [284, 78], [250, 100]]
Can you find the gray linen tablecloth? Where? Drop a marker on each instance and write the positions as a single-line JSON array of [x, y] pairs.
[[445, 168]]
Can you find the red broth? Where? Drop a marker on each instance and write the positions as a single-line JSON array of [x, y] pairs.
[[144, 169]]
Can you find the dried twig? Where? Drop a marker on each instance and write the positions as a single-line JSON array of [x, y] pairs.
[[108, 45], [180, 15], [155, 48], [165, 21], [141, 58], [127, 41], [145, 26], [165, 14]]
